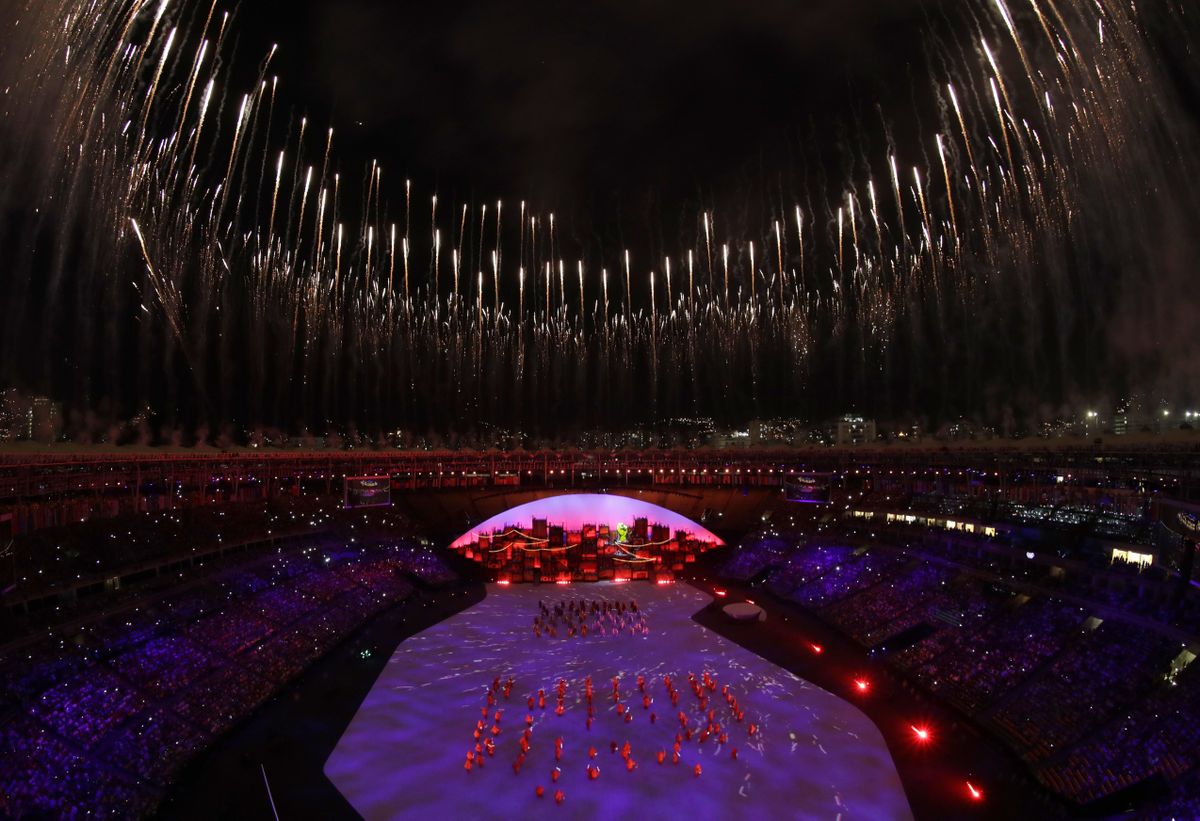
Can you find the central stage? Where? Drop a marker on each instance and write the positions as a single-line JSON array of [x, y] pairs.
[[810, 755]]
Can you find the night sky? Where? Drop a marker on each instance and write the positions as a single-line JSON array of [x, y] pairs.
[[613, 114], [1010, 286]]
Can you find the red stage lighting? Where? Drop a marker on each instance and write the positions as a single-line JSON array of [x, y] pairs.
[[816, 648], [862, 685], [719, 592], [922, 733], [976, 793]]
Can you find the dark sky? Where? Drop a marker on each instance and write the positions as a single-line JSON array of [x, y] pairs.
[[595, 108]]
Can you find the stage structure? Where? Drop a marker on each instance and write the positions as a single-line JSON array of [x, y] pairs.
[[586, 537], [809, 488], [367, 491]]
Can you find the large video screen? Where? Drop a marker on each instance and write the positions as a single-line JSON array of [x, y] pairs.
[[810, 488], [367, 491]]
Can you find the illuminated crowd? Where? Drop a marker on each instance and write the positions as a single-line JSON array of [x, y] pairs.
[[97, 718], [1094, 698]]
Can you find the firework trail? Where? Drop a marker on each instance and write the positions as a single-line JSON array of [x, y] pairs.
[[160, 221]]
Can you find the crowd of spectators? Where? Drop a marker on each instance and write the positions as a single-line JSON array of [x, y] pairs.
[[47, 558], [874, 614], [1152, 592], [60, 575], [1183, 800], [97, 722], [1092, 701], [1158, 735], [41, 775], [802, 566], [1105, 667], [865, 569], [975, 665], [758, 552]]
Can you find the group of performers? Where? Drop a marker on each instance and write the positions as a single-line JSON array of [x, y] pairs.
[[708, 726], [589, 616]]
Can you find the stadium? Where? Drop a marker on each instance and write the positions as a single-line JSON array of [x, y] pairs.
[[714, 410], [935, 632]]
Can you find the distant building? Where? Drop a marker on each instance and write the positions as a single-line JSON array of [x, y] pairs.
[[1121, 419], [24, 418], [966, 429], [14, 415], [45, 420], [686, 431], [854, 430], [777, 431]]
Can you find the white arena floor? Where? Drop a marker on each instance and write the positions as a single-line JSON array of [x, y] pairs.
[[811, 755]]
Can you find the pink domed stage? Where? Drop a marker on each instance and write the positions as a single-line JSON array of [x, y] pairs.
[[649, 716], [572, 511], [586, 537]]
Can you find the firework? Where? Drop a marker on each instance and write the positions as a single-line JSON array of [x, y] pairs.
[[178, 204]]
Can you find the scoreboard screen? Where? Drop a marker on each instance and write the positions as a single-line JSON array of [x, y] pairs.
[[810, 488], [367, 491]]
